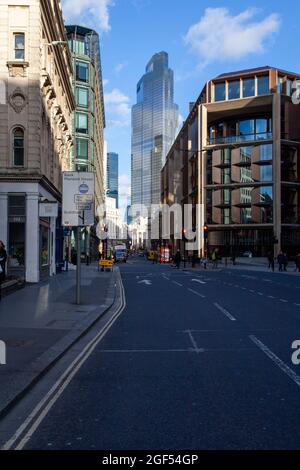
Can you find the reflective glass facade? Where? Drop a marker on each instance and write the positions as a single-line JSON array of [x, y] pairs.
[[113, 176], [154, 127], [85, 48]]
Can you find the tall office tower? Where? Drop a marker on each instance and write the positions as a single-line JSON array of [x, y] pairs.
[[89, 117], [154, 126], [112, 176]]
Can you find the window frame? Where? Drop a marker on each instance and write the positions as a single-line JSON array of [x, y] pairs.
[[13, 138], [15, 49]]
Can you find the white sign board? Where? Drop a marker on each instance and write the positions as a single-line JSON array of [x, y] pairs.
[[78, 199], [48, 209]]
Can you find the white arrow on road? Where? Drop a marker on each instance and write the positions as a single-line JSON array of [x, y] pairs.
[[198, 280], [146, 282]]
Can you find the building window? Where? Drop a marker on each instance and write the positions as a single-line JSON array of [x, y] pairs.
[[82, 123], [266, 195], [246, 216], [79, 47], [266, 152], [18, 147], [226, 156], [19, 45], [226, 176], [82, 149], [248, 87], [245, 154], [266, 174], [226, 216], [220, 91], [82, 72], [82, 97], [234, 90], [263, 87], [247, 129], [226, 196]]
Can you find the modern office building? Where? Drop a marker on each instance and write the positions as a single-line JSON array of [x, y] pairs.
[[89, 117], [112, 175], [154, 126], [238, 154], [36, 105]]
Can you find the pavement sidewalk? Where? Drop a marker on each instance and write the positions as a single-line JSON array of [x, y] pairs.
[[248, 264], [39, 323]]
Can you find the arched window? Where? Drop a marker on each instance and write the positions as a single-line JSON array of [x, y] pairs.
[[18, 147]]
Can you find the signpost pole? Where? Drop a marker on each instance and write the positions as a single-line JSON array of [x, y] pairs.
[[78, 267]]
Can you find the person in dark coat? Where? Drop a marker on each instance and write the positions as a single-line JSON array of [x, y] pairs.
[[177, 259], [271, 261], [3, 259], [297, 262], [280, 260]]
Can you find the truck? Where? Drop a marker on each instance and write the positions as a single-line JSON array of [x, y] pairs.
[[120, 252]]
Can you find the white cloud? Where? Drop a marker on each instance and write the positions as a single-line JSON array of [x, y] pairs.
[[95, 12], [105, 81], [120, 67], [219, 36], [117, 108], [124, 186]]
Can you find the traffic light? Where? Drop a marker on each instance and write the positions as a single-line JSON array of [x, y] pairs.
[[205, 231]]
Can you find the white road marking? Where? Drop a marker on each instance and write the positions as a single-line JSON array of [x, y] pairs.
[[44, 406], [285, 368], [267, 280], [260, 293], [177, 283], [193, 341], [251, 290], [197, 293], [298, 305], [146, 282], [128, 351], [198, 280], [248, 277], [283, 300], [223, 310], [271, 296]]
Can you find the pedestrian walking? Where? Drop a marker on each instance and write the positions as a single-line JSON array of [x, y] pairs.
[[271, 261], [285, 262], [280, 261], [3, 258], [214, 258], [297, 262], [177, 259]]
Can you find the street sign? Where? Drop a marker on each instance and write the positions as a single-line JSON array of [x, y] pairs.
[[106, 262], [78, 199], [48, 209]]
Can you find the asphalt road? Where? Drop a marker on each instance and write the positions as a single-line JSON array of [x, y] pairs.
[[196, 361]]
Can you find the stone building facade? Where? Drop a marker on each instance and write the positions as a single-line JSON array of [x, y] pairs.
[[36, 105]]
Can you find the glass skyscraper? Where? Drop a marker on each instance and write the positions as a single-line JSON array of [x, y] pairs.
[[154, 126], [113, 176]]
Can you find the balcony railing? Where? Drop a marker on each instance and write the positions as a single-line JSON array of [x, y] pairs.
[[232, 139]]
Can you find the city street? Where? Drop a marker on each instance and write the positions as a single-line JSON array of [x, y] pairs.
[[196, 360]]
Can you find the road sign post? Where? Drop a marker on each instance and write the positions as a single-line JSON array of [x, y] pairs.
[[78, 210]]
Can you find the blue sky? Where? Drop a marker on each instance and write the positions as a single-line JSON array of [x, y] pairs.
[[203, 39]]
